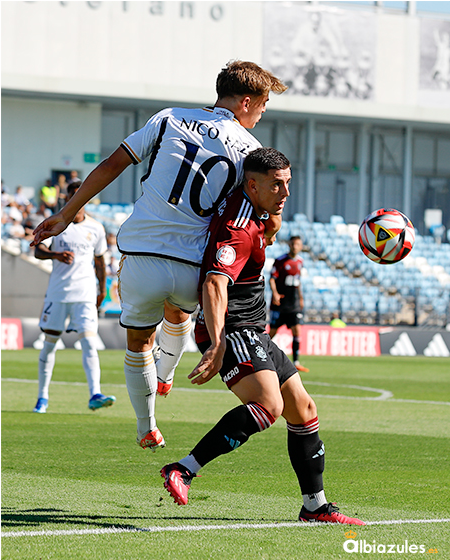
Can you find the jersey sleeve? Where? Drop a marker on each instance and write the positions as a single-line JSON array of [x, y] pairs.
[[47, 242], [139, 144], [229, 252]]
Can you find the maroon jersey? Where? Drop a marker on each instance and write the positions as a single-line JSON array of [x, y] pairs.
[[236, 248], [286, 272]]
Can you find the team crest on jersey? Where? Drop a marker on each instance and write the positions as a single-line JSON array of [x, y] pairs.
[[261, 353], [226, 255]]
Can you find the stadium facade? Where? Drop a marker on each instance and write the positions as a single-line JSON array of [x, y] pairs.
[[365, 122]]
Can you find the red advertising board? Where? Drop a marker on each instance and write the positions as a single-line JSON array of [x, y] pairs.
[[349, 341], [12, 334], [323, 340]]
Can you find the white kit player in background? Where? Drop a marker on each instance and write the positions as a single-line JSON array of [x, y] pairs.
[[72, 294], [195, 159]]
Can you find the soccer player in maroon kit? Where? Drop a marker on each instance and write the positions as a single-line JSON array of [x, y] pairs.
[[286, 307], [230, 333]]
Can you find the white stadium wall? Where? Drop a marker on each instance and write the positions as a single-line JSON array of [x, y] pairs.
[[141, 50], [40, 135], [173, 51]]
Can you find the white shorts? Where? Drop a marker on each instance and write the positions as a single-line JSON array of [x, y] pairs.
[[83, 317], [146, 282]]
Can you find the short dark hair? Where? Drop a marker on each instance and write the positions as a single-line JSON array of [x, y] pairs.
[[72, 187], [246, 78], [295, 237], [262, 160]]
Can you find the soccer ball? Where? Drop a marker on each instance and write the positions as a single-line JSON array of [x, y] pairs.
[[386, 236]]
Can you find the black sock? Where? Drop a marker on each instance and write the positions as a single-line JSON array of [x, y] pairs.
[[295, 348], [307, 454], [230, 432]]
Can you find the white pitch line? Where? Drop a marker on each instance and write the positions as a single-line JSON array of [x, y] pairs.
[[188, 528], [385, 396]]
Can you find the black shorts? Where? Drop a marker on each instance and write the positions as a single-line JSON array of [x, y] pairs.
[[288, 318], [249, 351]]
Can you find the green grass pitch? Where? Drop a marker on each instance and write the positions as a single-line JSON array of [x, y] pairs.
[[76, 486]]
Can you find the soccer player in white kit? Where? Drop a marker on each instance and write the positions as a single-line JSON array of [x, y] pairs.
[[195, 159], [72, 293]]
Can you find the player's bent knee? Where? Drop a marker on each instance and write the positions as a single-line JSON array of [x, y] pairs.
[[310, 411], [277, 409], [274, 407]]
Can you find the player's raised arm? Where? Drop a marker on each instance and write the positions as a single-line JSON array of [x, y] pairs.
[[96, 181]]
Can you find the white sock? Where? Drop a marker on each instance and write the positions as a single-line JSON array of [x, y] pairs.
[[314, 501], [173, 340], [140, 375], [190, 463], [46, 364], [91, 364]]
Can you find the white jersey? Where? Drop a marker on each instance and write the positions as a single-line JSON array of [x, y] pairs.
[[76, 282], [196, 159]]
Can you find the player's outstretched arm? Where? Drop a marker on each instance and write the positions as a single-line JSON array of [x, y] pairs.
[[215, 303], [95, 182]]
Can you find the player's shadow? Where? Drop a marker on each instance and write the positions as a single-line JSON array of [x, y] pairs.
[[17, 519], [40, 516]]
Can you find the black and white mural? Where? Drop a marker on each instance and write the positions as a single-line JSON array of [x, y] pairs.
[[320, 50], [434, 76]]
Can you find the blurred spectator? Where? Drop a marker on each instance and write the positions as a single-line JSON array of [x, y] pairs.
[[113, 266], [13, 212], [21, 200], [73, 177], [337, 322], [62, 186], [6, 199], [17, 230], [112, 255], [49, 196]]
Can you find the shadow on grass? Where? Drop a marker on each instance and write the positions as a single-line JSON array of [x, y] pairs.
[[32, 518]]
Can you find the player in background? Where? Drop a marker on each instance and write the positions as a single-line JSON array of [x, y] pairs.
[[72, 293], [230, 330], [286, 307], [195, 160]]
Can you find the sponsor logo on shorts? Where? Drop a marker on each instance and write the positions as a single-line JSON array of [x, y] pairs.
[[226, 255], [261, 353], [231, 374]]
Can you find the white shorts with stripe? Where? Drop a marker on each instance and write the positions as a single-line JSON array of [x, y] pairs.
[[146, 282], [82, 316]]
